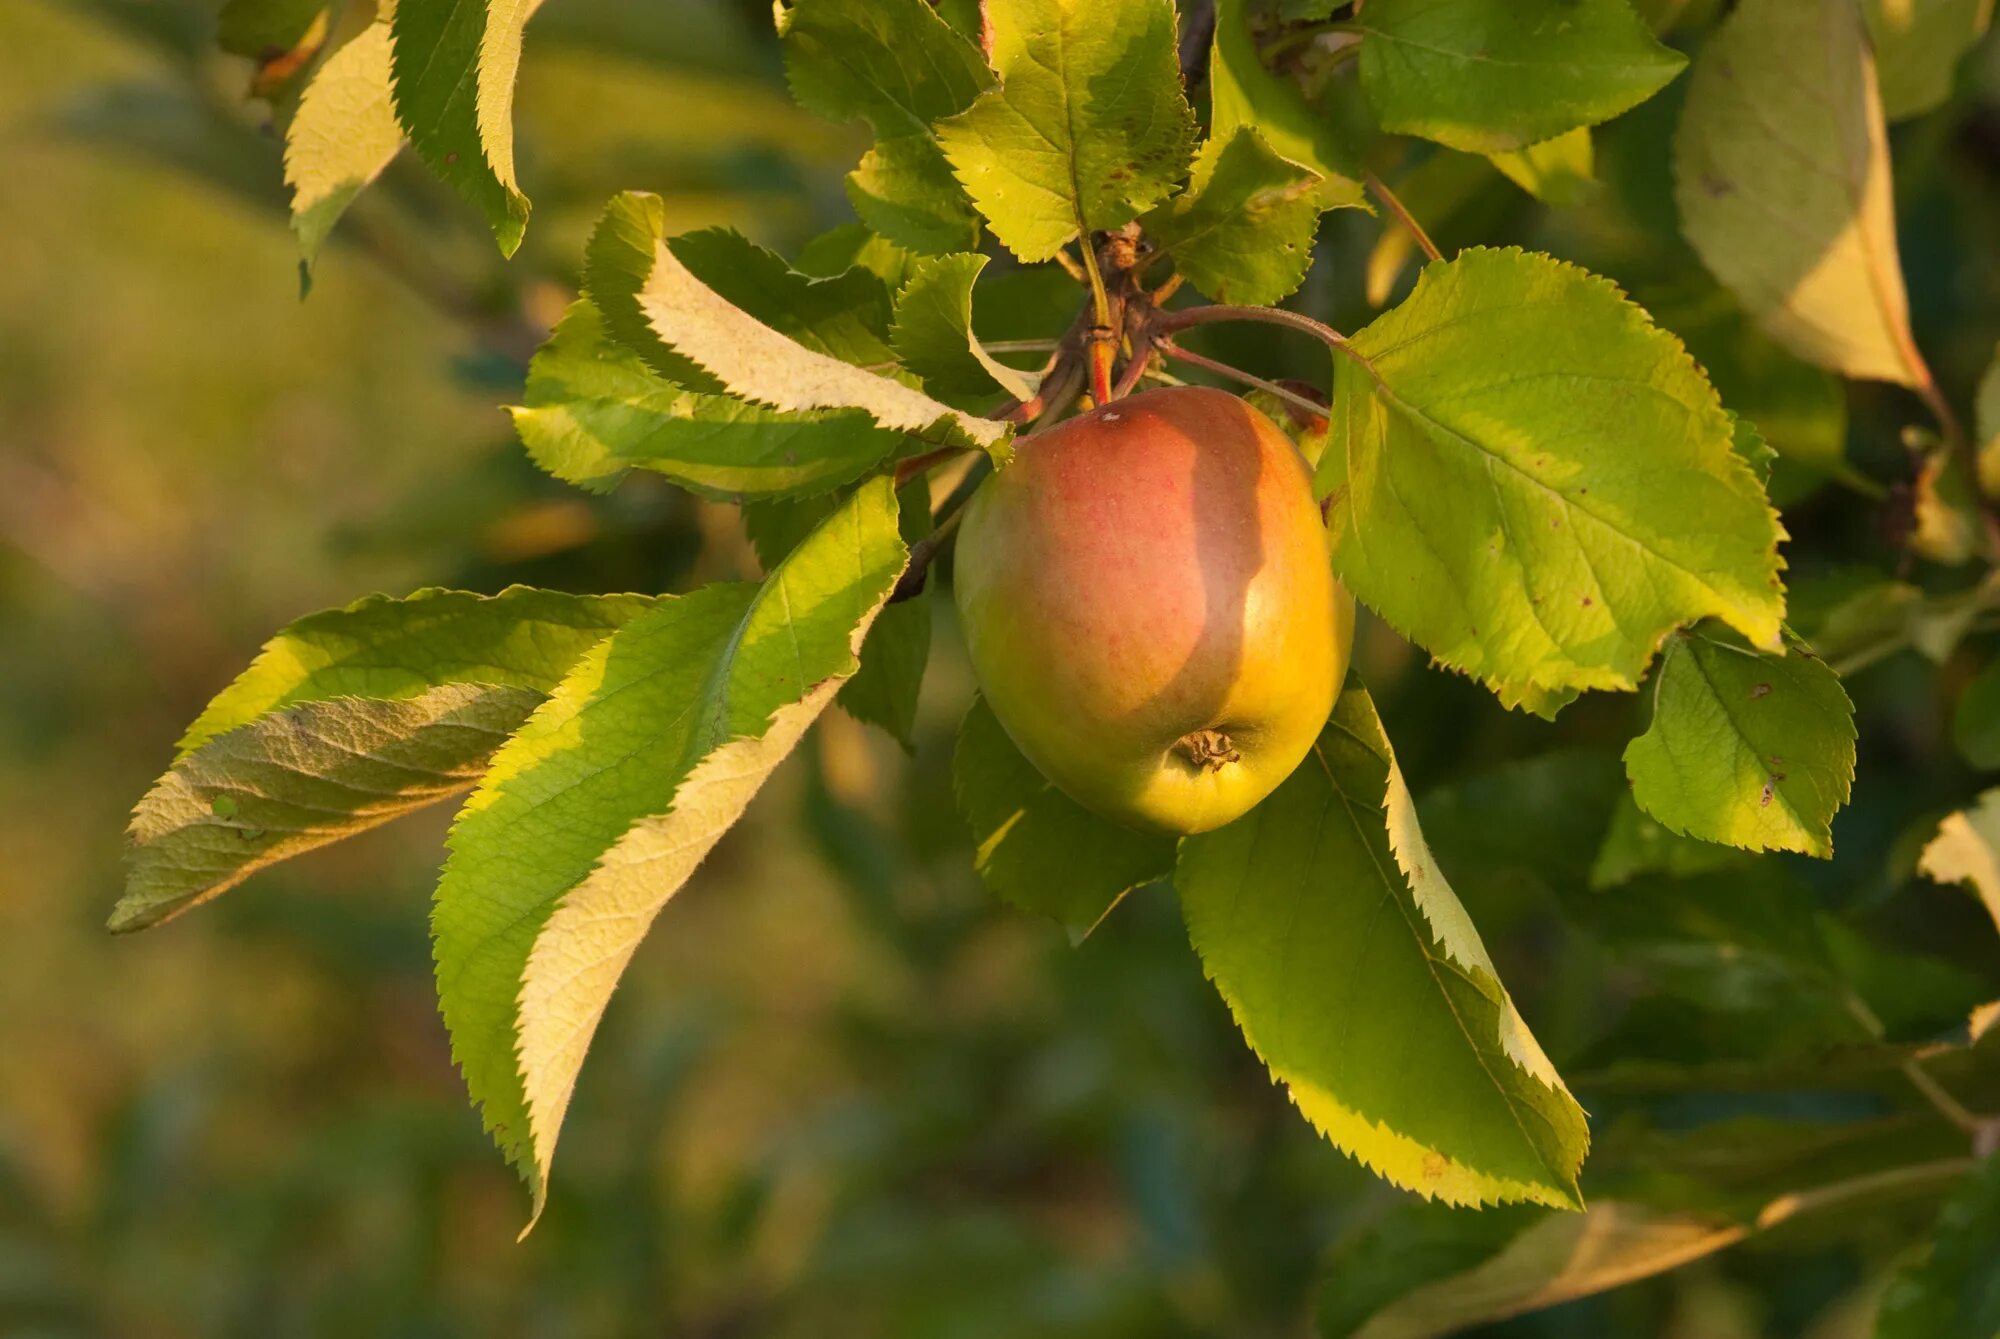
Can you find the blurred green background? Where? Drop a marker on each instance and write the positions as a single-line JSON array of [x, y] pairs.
[[840, 1093]]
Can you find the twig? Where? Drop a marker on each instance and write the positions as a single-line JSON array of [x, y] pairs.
[[1380, 190], [1135, 368], [1319, 330], [1222, 369], [1019, 345], [907, 470]]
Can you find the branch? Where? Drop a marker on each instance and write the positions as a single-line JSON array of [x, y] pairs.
[[1381, 191], [1319, 330], [1222, 369]]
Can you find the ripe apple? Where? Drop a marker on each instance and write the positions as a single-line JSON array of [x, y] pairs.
[[1150, 607]]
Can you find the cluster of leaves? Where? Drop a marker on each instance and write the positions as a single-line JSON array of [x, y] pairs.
[[1526, 475]]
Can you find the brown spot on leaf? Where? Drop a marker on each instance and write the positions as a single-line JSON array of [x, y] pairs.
[[1758, 690]]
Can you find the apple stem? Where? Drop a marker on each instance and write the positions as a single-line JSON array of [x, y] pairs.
[[1222, 369], [1102, 351]]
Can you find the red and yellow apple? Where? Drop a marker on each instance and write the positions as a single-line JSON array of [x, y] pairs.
[[1147, 597]]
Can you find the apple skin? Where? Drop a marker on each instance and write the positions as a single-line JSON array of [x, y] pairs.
[[1149, 602]]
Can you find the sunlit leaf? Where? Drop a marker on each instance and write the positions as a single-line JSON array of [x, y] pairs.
[[1489, 76], [1556, 171], [1745, 749], [934, 335], [635, 277], [454, 67], [1554, 1258], [1034, 846], [599, 808], [900, 67], [343, 135], [1355, 974], [1088, 128], [1243, 231], [1781, 172], [1966, 850], [594, 410], [345, 720], [1244, 94], [1918, 45], [1536, 484]]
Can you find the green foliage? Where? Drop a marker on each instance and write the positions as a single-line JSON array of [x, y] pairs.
[[1036, 848], [454, 65], [900, 67], [1245, 94], [345, 720], [1781, 172], [1243, 232], [1476, 503], [1953, 1290], [1917, 46], [934, 337], [652, 300], [1543, 485], [1746, 749], [1491, 76], [344, 133], [1088, 128], [594, 410], [599, 808], [1354, 972]]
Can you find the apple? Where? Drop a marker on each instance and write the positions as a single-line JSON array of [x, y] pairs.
[[1149, 603]]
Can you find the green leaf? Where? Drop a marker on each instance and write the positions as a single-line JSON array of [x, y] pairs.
[[934, 336], [853, 247], [342, 136], [905, 189], [1242, 93], [1035, 847], [1088, 128], [885, 690], [844, 316], [1944, 508], [900, 67], [1244, 231], [1918, 45], [388, 649], [1556, 171], [597, 810], [1536, 484], [1749, 750], [1489, 76], [892, 63], [1635, 844], [1966, 851], [454, 68], [345, 720], [594, 410], [1358, 978], [1750, 446], [1540, 1263], [1952, 1290], [651, 299], [1781, 170], [1975, 725], [300, 778]]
